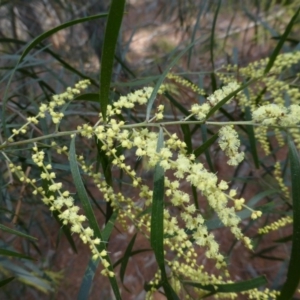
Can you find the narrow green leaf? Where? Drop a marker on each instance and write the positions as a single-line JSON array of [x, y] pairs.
[[293, 273], [195, 196], [33, 44], [70, 68], [291, 40], [259, 97], [94, 97], [126, 257], [195, 29], [91, 268], [106, 166], [201, 149], [48, 33], [6, 281], [158, 208], [87, 279], [227, 98], [124, 66], [53, 54], [106, 232], [277, 49], [26, 72], [212, 39], [157, 221], [273, 258], [284, 239], [119, 261], [21, 234], [28, 276], [212, 48], [163, 76], [184, 111], [230, 287], [5, 252], [264, 251], [178, 105], [82, 194], [112, 29], [187, 137]]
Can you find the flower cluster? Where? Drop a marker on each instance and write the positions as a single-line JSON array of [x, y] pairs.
[[222, 93], [279, 179], [185, 225], [201, 111], [273, 114], [276, 225], [63, 203], [56, 102], [230, 143], [268, 96], [186, 83]]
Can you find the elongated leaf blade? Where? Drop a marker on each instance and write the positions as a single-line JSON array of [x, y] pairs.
[[113, 25], [201, 149], [82, 194], [89, 211], [91, 268], [6, 281], [48, 33], [106, 232], [6, 252], [94, 97], [187, 137], [126, 257], [284, 239], [29, 277], [106, 166], [163, 76], [212, 48], [281, 42], [87, 279], [32, 45], [157, 211], [119, 261], [157, 221], [178, 105], [227, 98], [212, 36], [293, 273], [21, 234], [53, 54]]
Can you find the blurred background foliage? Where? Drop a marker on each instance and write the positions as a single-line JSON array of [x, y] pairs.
[[37, 254]]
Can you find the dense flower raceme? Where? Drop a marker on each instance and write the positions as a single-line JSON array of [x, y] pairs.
[[52, 108], [173, 157], [201, 111], [230, 143], [273, 114], [277, 88], [63, 203]]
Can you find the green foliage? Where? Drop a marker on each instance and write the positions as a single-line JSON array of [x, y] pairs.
[[158, 160]]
